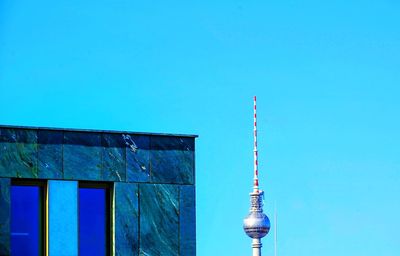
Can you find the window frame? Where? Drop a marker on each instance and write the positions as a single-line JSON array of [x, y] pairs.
[[42, 184]]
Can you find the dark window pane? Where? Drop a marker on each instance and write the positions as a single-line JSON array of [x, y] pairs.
[[93, 221], [26, 221]]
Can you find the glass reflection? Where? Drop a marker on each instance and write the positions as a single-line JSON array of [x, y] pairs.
[[26, 220], [92, 221]]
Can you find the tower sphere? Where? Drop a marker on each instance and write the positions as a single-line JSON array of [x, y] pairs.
[[256, 225]]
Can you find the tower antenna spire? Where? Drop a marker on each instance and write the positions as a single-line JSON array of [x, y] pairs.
[[256, 224], [255, 185]]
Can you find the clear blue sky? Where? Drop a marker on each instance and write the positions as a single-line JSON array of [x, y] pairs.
[[327, 78]]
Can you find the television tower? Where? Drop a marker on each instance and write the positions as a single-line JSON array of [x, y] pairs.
[[256, 224]]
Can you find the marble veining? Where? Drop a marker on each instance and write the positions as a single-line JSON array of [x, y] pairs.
[[137, 157], [172, 160], [159, 219], [50, 154], [18, 153], [5, 216], [126, 219], [82, 156], [114, 157], [187, 220]]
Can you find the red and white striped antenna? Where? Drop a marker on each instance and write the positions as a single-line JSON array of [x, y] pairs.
[[255, 186]]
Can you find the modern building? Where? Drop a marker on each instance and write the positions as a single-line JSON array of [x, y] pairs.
[[84, 192]]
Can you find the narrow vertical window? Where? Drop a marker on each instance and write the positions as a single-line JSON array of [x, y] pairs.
[[27, 219], [93, 220]]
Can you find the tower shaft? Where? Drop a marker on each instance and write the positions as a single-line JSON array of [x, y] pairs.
[[256, 246]]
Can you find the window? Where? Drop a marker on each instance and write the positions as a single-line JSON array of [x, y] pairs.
[[27, 218], [94, 219]]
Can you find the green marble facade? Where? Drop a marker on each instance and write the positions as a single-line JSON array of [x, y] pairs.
[[159, 209], [152, 176], [4, 216]]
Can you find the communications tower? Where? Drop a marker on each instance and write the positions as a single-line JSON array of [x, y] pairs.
[[256, 224]]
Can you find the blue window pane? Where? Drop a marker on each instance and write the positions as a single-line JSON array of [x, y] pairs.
[[26, 221], [93, 221]]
